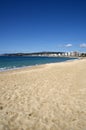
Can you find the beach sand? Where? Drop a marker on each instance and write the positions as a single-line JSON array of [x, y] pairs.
[[45, 97]]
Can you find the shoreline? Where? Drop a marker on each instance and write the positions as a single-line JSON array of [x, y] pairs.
[[25, 67]]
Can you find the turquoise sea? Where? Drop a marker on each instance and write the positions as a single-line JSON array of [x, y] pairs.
[[12, 62]]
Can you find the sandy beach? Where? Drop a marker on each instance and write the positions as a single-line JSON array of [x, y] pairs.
[[45, 97]]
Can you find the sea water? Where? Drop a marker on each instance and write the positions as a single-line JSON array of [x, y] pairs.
[[11, 62]]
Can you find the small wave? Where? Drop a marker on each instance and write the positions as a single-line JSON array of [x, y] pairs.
[[7, 68], [12, 68], [4, 68]]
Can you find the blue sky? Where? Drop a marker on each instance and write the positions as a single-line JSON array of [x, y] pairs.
[[42, 25]]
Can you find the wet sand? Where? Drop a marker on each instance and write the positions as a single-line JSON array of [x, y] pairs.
[[45, 97]]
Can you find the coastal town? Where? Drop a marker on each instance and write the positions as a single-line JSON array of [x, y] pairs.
[[55, 54]]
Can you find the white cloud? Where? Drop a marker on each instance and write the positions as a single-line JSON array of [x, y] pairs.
[[83, 45], [68, 45]]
